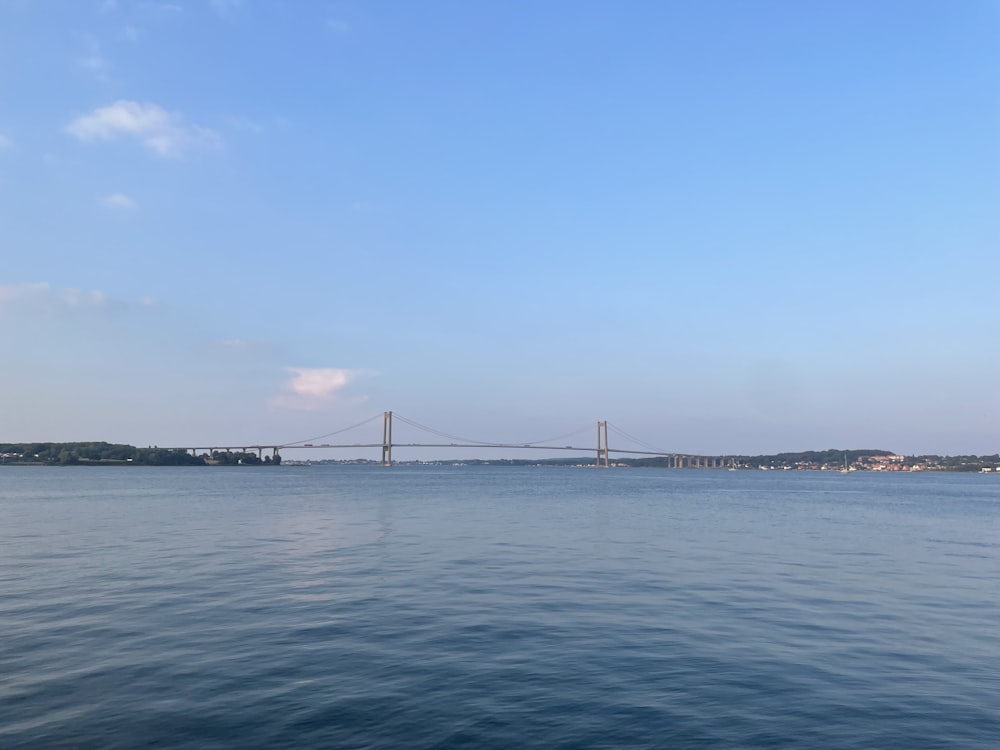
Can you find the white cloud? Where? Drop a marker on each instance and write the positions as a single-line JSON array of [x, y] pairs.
[[165, 133], [318, 382], [42, 295], [6, 142], [311, 389], [117, 200]]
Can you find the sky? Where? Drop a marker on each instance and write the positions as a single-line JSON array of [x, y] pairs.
[[723, 227]]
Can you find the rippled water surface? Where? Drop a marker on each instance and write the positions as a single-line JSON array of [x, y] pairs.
[[440, 607]]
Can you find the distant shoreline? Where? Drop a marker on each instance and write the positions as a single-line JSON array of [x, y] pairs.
[[832, 460]]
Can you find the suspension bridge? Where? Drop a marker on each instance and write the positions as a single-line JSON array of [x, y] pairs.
[[602, 450]]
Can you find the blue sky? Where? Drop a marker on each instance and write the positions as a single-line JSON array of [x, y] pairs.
[[724, 227]]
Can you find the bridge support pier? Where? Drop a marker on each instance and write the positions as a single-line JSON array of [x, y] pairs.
[[603, 459], [387, 439]]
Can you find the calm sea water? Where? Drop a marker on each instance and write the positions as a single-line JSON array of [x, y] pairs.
[[355, 607]]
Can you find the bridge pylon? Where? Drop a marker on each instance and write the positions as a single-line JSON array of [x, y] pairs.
[[387, 438], [603, 459]]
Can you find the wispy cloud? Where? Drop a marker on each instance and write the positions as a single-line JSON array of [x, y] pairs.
[[255, 348], [245, 124], [43, 295], [313, 388], [154, 12], [33, 298], [5, 142], [338, 25], [92, 60], [165, 133], [225, 7], [238, 344], [117, 200]]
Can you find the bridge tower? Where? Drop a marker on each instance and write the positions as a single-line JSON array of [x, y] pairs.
[[602, 445], [387, 438]]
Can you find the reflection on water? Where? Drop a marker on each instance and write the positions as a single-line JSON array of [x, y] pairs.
[[497, 607]]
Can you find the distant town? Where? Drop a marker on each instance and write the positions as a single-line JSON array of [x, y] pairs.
[[110, 454]]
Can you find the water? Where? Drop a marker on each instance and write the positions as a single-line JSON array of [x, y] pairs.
[[355, 607]]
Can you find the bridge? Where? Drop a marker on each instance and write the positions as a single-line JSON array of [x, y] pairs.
[[603, 450]]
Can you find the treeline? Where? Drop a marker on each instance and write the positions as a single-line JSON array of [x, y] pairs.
[[963, 463], [68, 454]]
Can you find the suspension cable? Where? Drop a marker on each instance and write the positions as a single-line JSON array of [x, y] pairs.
[[439, 433], [634, 439], [330, 434], [462, 439], [585, 428]]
